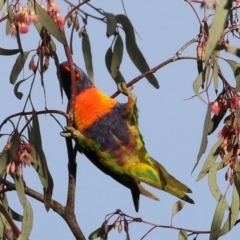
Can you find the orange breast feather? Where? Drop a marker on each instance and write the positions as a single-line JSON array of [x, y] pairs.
[[90, 105]]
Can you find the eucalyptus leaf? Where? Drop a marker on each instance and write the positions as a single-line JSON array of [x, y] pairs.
[[18, 66]]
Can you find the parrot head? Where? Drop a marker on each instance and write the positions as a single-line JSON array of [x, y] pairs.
[[82, 80]]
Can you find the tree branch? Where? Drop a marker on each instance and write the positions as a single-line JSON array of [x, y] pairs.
[[55, 206]]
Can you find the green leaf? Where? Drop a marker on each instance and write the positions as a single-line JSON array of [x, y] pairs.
[[177, 207], [2, 226], [182, 235], [212, 182], [56, 61], [217, 218], [71, 38], [42, 171], [133, 51], [211, 159], [16, 92], [3, 161], [9, 220], [237, 177], [18, 66], [14, 215], [111, 23], [204, 141], [2, 2], [8, 52], [117, 56], [236, 71], [234, 50], [99, 233], [9, 19], [218, 26], [108, 59], [48, 23], [27, 221], [199, 65], [233, 214], [198, 82], [87, 55]]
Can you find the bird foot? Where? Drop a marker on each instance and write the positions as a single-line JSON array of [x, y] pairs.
[[122, 88], [71, 132]]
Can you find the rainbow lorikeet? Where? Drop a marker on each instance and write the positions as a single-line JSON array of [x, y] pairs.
[[107, 132]]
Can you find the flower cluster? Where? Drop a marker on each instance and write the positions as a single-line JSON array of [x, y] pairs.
[[20, 158], [230, 146], [22, 18], [54, 12]]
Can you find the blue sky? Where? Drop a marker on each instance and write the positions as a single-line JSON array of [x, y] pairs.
[[171, 126]]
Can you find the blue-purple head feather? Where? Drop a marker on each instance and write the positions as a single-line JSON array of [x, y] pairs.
[[82, 80]]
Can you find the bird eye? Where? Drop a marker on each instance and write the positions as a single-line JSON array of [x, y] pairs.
[[66, 70], [77, 75]]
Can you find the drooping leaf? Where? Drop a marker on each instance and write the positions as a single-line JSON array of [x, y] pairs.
[[217, 218], [99, 233], [236, 71], [116, 56], [211, 159], [8, 52], [56, 61], [16, 92], [9, 19], [237, 177], [234, 50], [212, 182], [133, 51], [9, 220], [2, 225], [199, 65], [19, 41], [111, 23], [3, 161], [198, 82], [108, 59], [233, 214], [48, 23], [42, 169], [2, 2], [214, 122], [18, 66], [204, 141], [177, 207], [182, 235], [14, 215], [87, 55], [71, 37], [27, 221], [218, 26]]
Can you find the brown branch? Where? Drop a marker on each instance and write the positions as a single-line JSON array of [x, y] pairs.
[[29, 113], [55, 206], [74, 8], [170, 60]]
